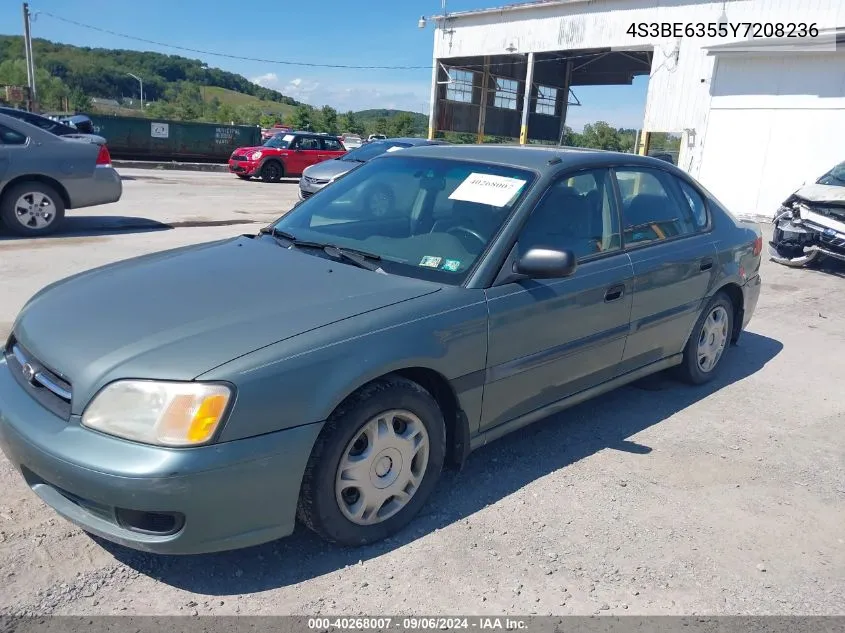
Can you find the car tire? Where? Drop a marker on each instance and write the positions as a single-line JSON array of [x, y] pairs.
[[272, 171], [709, 340], [18, 209], [402, 413]]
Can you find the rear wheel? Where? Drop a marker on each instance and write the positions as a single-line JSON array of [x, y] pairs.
[[32, 208], [272, 171], [710, 337], [375, 463]]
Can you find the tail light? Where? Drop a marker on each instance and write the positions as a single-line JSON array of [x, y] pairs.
[[103, 157], [758, 246]]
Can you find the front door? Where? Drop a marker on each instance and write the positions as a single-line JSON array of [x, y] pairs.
[[549, 339], [305, 152], [666, 233]]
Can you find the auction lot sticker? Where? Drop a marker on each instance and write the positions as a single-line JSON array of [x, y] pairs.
[[496, 191]]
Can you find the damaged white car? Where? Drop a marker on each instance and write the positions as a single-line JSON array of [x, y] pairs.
[[810, 223]]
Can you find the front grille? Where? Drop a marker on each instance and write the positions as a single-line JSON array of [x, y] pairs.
[[306, 194], [315, 181], [49, 388], [241, 159]]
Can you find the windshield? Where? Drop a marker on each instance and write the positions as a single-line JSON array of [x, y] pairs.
[[371, 150], [835, 177], [429, 218], [281, 141]]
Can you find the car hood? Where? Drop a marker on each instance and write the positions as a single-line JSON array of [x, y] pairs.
[[823, 194], [329, 169], [247, 150], [178, 314]]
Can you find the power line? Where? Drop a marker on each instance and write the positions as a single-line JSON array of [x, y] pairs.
[[297, 63], [227, 55]]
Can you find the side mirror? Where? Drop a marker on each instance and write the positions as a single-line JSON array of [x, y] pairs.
[[545, 263]]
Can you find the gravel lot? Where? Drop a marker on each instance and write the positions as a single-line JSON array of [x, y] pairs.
[[656, 499]]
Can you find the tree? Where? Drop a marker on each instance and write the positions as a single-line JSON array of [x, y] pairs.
[[301, 118], [327, 120], [402, 125], [380, 125], [79, 101], [349, 123], [600, 135]]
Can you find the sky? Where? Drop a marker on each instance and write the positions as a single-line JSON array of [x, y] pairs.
[[366, 32]]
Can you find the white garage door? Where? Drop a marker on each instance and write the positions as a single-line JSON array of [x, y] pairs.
[[774, 123]]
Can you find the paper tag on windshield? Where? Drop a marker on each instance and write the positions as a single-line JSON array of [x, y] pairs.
[[395, 148], [496, 191], [288, 137]]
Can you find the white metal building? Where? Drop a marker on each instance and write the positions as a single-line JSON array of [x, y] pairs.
[[758, 116]]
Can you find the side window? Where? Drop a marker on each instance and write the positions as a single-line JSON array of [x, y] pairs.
[[650, 213], [9, 137], [332, 145], [576, 213], [306, 142], [696, 204]]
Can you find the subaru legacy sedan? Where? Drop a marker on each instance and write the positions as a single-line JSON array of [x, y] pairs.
[[328, 367]]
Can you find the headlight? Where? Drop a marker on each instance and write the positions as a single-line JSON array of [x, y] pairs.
[[255, 155], [154, 412]]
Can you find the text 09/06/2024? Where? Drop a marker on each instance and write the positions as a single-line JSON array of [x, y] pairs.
[[724, 29]]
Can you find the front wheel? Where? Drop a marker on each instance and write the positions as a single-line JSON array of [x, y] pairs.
[[375, 463], [272, 171], [709, 339]]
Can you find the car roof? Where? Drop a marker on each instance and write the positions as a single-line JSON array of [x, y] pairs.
[[538, 158], [23, 127]]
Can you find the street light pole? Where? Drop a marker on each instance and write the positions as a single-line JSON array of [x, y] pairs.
[[30, 61], [140, 81]]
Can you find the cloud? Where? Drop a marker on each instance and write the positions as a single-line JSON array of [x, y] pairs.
[[345, 96]]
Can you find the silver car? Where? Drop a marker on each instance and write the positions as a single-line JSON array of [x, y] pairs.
[[318, 176], [42, 175]]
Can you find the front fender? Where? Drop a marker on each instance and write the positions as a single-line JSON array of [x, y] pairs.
[[302, 380]]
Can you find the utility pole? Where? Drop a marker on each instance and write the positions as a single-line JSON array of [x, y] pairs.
[[30, 61]]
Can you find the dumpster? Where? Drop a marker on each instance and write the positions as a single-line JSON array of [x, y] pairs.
[[136, 138]]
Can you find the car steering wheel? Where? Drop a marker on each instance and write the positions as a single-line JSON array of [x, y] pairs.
[[458, 231]]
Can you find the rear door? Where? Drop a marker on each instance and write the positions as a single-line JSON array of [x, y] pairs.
[[331, 148], [666, 232]]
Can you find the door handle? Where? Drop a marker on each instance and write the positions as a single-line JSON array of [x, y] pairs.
[[614, 293], [706, 263]]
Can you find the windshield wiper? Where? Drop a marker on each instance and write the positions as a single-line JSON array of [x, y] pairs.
[[354, 160], [272, 230], [362, 259]]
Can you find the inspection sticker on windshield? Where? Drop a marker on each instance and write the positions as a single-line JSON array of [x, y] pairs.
[[430, 262], [452, 265], [487, 189], [395, 148]]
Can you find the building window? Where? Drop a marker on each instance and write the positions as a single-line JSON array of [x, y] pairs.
[[505, 94], [460, 88], [546, 100]]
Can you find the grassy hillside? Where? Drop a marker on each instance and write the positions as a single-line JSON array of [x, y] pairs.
[[235, 99]]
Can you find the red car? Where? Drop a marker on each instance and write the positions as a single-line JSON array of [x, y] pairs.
[[284, 155]]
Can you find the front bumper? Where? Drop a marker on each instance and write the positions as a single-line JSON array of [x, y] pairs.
[[308, 187], [244, 168], [221, 497]]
